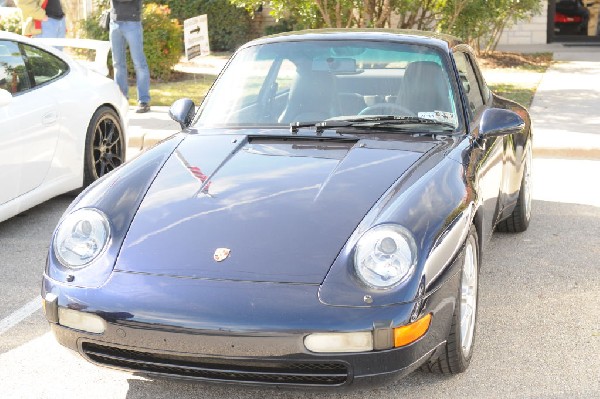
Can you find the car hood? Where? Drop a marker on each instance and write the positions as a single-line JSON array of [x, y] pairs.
[[257, 208]]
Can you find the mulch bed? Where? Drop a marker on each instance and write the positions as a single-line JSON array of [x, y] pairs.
[[499, 59]]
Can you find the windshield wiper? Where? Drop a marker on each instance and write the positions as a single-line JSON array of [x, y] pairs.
[[406, 120], [374, 121]]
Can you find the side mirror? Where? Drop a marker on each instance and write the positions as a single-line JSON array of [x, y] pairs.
[[5, 97], [183, 111], [497, 122]]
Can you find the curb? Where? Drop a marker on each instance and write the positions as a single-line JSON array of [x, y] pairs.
[[592, 154]]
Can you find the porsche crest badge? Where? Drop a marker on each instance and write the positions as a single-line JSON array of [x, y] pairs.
[[221, 254]]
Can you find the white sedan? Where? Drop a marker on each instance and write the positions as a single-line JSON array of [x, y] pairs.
[[62, 124]]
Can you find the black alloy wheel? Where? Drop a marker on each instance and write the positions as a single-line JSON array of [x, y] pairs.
[[104, 145]]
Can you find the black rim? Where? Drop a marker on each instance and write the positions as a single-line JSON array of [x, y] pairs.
[[107, 146]]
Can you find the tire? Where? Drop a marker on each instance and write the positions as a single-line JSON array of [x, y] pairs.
[[457, 352], [104, 145], [518, 221]]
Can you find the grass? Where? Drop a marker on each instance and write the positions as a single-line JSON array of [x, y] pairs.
[[187, 85], [517, 75], [523, 94]]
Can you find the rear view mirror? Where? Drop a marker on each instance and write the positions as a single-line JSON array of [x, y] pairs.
[[335, 65]]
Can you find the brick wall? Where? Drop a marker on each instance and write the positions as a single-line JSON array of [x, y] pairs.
[[531, 31]]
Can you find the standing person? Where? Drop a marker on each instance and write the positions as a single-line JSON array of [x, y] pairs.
[[126, 30], [42, 18]]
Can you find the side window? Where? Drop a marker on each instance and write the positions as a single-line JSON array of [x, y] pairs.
[[285, 76], [247, 87], [13, 73], [44, 66], [468, 78], [485, 91]]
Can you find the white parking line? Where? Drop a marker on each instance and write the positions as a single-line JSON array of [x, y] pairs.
[[20, 314]]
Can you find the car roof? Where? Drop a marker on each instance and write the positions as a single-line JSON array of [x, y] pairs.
[[431, 39], [11, 36]]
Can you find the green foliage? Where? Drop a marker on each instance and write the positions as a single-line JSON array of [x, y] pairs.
[[162, 38], [417, 14], [283, 25], [229, 26], [11, 23], [304, 13], [89, 28], [307, 14], [481, 22]]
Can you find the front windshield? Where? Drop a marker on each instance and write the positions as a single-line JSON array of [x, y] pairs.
[[279, 84]]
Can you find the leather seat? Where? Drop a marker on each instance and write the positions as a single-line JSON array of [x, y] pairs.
[[351, 103], [311, 98], [425, 88]]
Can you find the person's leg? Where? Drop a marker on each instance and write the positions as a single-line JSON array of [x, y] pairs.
[[135, 38], [54, 28], [62, 27], [118, 47]]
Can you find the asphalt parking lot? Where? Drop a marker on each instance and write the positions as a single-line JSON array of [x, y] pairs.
[[538, 328]]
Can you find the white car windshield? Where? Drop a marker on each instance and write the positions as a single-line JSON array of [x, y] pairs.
[[278, 84]]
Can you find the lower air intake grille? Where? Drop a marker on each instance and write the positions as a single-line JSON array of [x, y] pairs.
[[235, 370]]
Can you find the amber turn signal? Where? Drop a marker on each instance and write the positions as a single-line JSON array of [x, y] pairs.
[[411, 332]]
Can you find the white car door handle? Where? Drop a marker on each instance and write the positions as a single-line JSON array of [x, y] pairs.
[[49, 118]]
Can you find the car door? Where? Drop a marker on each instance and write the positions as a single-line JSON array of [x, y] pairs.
[[15, 80], [30, 123], [488, 152]]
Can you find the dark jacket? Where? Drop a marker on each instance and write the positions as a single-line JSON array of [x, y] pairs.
[[126, 10]]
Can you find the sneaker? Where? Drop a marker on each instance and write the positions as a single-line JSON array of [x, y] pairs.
[[143, 107]]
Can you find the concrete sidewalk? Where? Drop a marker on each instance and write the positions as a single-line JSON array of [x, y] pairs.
[[565, 110], [566, 107], [147, 129]]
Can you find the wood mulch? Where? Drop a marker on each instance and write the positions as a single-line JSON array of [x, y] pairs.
[[499, 59]]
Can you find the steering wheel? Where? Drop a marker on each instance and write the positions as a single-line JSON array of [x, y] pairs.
[[385, 109]]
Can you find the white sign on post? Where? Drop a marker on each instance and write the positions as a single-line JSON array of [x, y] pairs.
[[195, 36]]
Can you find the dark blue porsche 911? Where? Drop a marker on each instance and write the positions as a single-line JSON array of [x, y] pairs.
[[318, 222]]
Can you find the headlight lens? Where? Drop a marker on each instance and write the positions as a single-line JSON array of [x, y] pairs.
[[385, 256], [81, 237]]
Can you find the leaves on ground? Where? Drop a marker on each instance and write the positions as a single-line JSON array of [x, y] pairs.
[[498, 59]]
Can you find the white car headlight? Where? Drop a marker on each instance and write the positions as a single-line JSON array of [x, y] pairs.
[[81, 237], [385, 256]]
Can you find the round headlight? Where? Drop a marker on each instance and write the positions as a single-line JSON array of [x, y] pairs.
[[385, 256], [81, 237]]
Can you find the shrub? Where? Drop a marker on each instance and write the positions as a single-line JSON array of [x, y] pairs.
[[228, 26], [162, 39], [11, 23], [284, 25]]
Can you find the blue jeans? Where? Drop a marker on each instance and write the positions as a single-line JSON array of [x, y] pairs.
[[123, 34], [56, 28]]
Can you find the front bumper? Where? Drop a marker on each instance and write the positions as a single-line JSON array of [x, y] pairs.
[[249, 333]]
